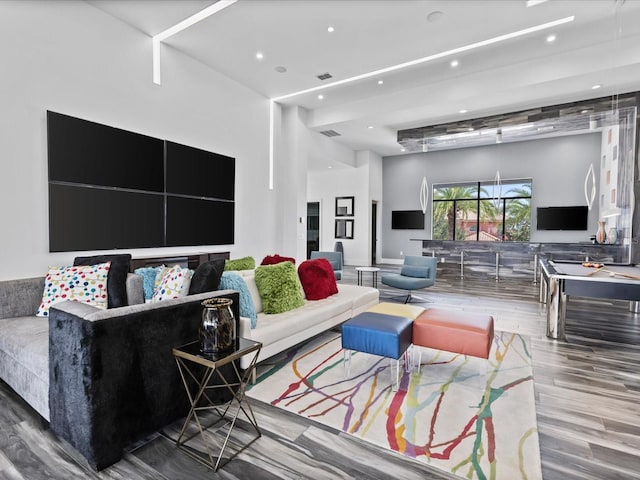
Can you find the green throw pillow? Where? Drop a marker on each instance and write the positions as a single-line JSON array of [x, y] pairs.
[[244, 263], [279, 287]]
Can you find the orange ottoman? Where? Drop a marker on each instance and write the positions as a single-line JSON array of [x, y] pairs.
[[454, 331]]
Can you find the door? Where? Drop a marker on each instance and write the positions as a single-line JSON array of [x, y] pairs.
[[313, 227]]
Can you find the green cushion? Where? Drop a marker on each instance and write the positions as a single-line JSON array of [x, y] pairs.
[[244, 263], [279, 287]]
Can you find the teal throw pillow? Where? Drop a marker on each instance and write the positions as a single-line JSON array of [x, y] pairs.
[[414, 271], [148, 279], [244, 263], [279, 287], [233, 281]]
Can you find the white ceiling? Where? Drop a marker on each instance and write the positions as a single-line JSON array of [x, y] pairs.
[[601, 46]]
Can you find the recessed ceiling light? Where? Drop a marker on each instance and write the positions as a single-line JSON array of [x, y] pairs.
[[380, 82], [280, 69], [584, 111], [454, 63], [435, 16], [551, 38], [595, 87], [330, 166], [320, 97], [464, 110], [330, 29], [259, 55], [403, 149], [370, 127]]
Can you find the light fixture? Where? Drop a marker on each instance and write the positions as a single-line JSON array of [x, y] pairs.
[[259, 55], [499, 135], [330, 29], [464, 110], [403, 149], [380, 82], [320, 96], [454, 63], [551, 38], [590, 197], [595, 87], [178, 27], [497, 190], [424, 194], [370, 127]]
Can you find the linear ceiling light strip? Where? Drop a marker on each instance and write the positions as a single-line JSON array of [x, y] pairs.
[[178, 27], [436, 56]]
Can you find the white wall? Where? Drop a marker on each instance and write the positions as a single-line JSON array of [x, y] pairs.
[[72, 58], [558, 167], [364, 183]]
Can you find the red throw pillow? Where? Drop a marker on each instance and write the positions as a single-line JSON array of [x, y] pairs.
[[317, 278], [273, 259]]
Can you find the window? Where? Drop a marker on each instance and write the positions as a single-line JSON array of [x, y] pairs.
[[481, 211]]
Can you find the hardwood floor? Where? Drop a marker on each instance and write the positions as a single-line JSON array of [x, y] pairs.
[[587, 401]]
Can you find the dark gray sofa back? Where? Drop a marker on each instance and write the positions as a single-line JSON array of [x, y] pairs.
[[112, 375]]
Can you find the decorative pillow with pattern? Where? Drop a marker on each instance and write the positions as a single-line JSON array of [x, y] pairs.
[[86, 284], [172, 283]]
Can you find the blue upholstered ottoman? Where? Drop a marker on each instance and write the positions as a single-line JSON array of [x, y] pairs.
[[377, 334]]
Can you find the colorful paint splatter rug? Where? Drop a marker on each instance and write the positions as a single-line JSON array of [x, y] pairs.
[[472, 417]]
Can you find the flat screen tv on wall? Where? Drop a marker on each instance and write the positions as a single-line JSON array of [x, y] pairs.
[[111, 189], [562, 218], [407, 220]]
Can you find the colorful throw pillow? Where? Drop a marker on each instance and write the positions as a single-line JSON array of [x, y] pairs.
[[233, 281], [148, 275], [173, 283], [279, 287], [117, 282], [206, 278], [244, 263], [86, 284], [317, 278], [273, 259]]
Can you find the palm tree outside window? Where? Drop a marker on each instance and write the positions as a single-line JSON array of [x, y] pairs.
[[470, 211]]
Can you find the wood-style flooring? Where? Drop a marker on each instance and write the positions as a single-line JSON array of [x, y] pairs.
[[587, 400]]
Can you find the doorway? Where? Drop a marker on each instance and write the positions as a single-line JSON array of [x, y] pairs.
[[313, 227], [374, 238]]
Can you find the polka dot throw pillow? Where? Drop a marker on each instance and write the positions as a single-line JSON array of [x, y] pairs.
[[172, 283], [86, 284]]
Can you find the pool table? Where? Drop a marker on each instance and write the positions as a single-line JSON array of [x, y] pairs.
[[559, 280]]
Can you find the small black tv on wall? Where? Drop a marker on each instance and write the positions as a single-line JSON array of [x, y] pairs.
[[407, 220], [562, 218]]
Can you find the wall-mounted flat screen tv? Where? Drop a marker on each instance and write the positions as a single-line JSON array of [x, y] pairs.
[[407, 220], [110, 188], [562, 218]]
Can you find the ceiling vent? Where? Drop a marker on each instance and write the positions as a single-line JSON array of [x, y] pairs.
[[330, 133], [324, 76]]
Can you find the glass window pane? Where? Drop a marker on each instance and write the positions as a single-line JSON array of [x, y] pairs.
[[467, 220], [455, 191], [490, 221], [442, 223], [518, 220]]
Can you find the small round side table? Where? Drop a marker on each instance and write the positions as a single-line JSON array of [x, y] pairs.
[[374, 274]]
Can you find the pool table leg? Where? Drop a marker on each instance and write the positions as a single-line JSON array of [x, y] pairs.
[[556, 308]]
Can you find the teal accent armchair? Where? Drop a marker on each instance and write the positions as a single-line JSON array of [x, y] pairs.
[[417, 273], [335, 259]]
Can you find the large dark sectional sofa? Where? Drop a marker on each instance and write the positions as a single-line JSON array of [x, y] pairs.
[[101, 378]]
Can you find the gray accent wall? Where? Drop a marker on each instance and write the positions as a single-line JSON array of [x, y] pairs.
[[557, 167]]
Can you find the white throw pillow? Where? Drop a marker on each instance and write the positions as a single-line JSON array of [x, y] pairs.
[[86, 284], [172, 283]]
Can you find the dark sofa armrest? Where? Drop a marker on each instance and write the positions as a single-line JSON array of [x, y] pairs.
[[112, 376]]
